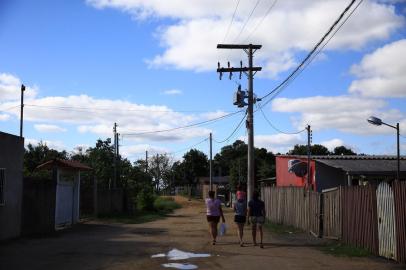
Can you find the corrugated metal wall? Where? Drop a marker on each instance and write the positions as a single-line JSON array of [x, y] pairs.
[[359, 217], [399, 190]]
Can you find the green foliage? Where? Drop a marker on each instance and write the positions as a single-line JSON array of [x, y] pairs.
[[145, 199], [165, 204], [38, 154], [281, 229], [320, 150]]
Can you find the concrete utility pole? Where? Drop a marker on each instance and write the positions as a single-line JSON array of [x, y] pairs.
[[211, 162], [22, 110], [115, 155], [309, 141], [250, 72], [146, 161]]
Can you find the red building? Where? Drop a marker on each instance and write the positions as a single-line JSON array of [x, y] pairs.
[[332, 171]]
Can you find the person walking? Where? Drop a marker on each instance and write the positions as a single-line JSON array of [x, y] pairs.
[[213, 212], [256, 213], [240, 210]]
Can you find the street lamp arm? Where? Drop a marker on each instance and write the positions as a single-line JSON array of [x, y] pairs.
[[389, 125]]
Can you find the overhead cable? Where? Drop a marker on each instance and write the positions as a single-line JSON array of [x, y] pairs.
[[231, 22], [260, 21], [233, 132], [275, 128], [182, 127], [309, 55], [247, 20]]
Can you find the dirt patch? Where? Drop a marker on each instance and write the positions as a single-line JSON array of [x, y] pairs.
[[102, 245]]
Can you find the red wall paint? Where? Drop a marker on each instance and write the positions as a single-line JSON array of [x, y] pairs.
[[284, 178]]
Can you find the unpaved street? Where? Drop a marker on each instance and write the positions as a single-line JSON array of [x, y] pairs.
[[96, 245]]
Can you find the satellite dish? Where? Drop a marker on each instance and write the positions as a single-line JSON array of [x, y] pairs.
[[298, 167]]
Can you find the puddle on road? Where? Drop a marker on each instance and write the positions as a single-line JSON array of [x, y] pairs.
[[176, 254], [180, 265]]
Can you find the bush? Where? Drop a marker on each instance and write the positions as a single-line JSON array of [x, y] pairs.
[[145, 199], [165, 204]]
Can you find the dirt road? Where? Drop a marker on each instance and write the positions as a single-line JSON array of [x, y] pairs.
[[96, 245]]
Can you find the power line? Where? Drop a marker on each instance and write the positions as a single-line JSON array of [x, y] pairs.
[[187, 148], [234, 131], [312, 57], [314, 48], [71, 108], [8, 109], [231, 22], [246, 22], [275, 128], [260, 21], [182, 127]]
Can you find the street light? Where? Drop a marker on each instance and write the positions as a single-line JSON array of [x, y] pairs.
[[377, 122]]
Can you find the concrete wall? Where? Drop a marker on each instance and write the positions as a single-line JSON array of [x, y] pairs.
[[11, 158]]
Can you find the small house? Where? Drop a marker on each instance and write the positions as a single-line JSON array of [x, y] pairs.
[[332, 171]]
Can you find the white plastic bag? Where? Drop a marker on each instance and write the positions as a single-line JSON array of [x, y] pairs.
[[223, 229]]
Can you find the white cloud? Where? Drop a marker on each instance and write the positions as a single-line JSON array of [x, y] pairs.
[[4, 117], [292, 27], [139, 149], [57, 145], [172, 92], [49, 128], [277, 143], [10, 88], [344, 113], [331, 144], [381, 73]]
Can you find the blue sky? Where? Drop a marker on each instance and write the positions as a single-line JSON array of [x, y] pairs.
[[150, 65]]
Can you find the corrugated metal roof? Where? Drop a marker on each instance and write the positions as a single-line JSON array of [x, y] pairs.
[[366, 166], [344, 157], [66, 164]]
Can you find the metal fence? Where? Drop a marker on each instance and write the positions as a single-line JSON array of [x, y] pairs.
[[399, 190], [368, 217], [293, 206]]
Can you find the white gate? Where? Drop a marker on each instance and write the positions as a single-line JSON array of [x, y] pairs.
[[64, 203], [386, 221]]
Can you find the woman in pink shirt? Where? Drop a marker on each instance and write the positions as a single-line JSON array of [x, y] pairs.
[[213, 212]]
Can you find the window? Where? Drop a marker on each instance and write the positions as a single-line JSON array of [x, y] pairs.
[[2, 186]]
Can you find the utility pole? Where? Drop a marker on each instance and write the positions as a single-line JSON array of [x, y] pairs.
[[115, 155], [211, 162], [22, 110], [250, 72], [146, 161], [309, 141]]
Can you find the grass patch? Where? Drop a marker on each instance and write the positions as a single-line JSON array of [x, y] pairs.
[[162, 207], [342, 250], [281, 229], [165, 204]]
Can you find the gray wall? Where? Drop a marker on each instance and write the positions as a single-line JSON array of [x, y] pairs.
[[11, 158], [329, 177]]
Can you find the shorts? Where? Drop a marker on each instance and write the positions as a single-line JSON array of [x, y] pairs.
[[240, 219], [215, 219], [257, 220]]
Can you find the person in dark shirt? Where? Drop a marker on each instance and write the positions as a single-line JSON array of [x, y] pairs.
[[256, 213]]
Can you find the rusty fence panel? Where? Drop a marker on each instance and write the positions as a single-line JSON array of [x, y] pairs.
[[332, 222], [359, 217], [399, 190]]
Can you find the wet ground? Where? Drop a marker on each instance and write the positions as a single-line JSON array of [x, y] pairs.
[[181, 241]]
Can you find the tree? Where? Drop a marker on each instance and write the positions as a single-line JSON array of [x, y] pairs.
[[159, 168], [342, 150], [316, 149], [38, 154]]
